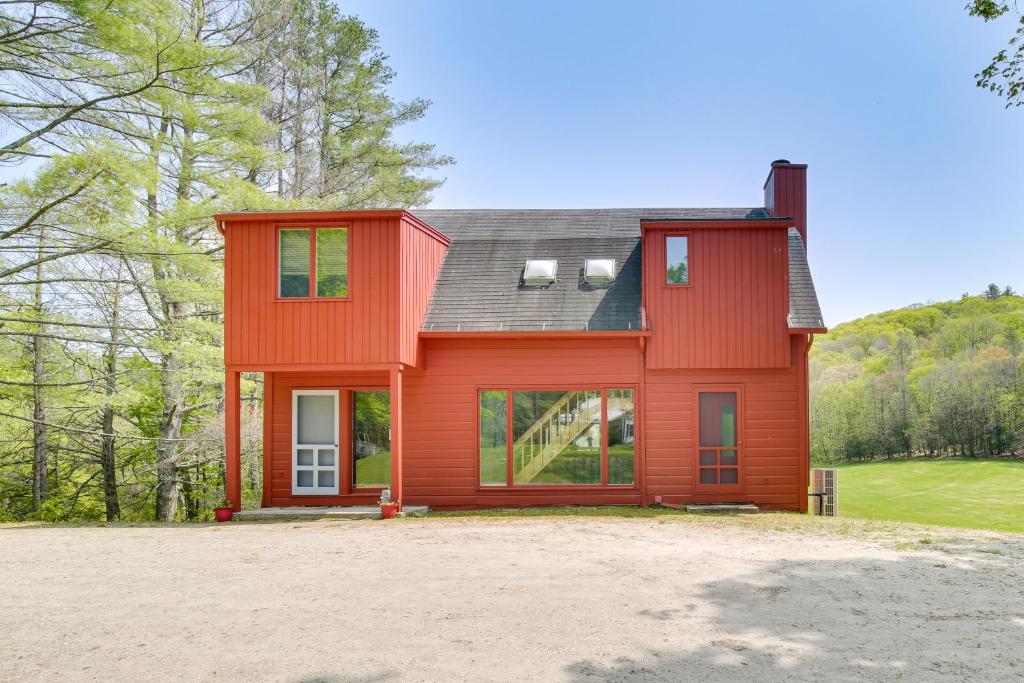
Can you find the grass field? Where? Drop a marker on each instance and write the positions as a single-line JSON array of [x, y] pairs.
[[973, 494]]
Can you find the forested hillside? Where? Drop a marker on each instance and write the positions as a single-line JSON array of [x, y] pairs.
[[125, 126], [944, 378]]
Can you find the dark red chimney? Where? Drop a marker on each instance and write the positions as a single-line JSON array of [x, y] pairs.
[[785, 193]]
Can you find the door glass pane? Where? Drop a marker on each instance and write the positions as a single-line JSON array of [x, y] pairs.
[[727, 458], [316, 417], [709, 476], [325, 457], [371, 438], [621, 436], [708, 458], [293, 261], [332, 262], [493, 438], [677, 260], [557, 437], [304, 457], [717, 418], [325, 478], [304, 478], [728, 475]]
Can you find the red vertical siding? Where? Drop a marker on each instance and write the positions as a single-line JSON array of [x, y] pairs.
[[733, 313], [262, 330], [392, 266], [773, 433], [421, 255]]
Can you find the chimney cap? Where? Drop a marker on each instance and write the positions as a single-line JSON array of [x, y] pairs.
[[781, 161]]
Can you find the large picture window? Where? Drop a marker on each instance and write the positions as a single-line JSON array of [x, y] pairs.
[[313, 262], [556, 437]]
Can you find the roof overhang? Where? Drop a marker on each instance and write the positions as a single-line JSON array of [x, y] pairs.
[[808, 330], [327, 216], [704, 223]]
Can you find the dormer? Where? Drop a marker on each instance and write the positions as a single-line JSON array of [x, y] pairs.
[[331, 288]]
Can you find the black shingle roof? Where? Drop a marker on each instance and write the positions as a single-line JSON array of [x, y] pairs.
[[804, 310], [479, 288]]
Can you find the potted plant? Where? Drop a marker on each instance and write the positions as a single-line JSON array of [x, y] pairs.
[[389, 508], [223, 511]]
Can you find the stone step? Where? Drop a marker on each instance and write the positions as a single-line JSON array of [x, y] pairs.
[[723, 507], [324, 512]]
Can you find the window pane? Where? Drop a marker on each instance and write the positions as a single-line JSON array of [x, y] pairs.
[[493, 438], [708, 458], [371, 426], [677, 260], [316, 414], [621, 435], [727, 458], [294, 263], [332, 262], [304, 478], [325, 457], [728, 475], [325, 478], [709, 476], [557, 437], [717, 419]]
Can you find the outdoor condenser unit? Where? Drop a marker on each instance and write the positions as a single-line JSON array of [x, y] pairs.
[[826, 492]]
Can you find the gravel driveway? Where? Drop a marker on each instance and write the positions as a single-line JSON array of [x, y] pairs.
[[551, 599]]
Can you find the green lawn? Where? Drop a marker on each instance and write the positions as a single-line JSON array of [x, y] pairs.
[[974, 494]]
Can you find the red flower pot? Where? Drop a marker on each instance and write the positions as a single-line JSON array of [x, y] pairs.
[[388, 511], [222, 514]]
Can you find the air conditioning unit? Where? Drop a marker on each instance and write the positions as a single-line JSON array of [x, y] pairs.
[[826, 492]]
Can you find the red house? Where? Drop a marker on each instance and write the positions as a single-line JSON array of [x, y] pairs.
[[470, 358]]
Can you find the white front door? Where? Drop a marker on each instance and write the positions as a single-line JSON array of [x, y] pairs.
[[315, 442]]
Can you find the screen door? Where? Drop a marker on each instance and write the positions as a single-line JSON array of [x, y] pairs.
[[315, 442]]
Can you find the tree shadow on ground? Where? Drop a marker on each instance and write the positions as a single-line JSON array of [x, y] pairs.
[[954, 611]]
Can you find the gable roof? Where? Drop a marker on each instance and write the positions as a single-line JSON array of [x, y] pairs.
[[479, 285]]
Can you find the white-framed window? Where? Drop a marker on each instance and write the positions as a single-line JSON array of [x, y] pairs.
[[315, 451]]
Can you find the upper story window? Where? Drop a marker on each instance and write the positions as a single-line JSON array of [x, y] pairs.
[[677, 260], [313, 262]]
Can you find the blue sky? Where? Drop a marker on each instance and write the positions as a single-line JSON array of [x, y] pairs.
[[916, 178]]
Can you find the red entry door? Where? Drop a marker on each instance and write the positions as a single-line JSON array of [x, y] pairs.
[[719, 440]]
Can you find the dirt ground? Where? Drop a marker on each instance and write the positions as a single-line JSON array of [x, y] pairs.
[[550, 599]]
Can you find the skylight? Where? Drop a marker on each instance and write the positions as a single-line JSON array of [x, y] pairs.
[[599, 270], [540, 271]]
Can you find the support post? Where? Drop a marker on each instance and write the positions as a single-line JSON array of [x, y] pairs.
[[268, 438], [233, 439], [396, 436]]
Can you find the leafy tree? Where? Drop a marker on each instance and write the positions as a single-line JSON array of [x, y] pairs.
[[133, 122], [940, 379], [1005, 73]]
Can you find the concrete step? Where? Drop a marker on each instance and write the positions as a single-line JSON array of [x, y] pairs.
[[723, 507], [324, 512]]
